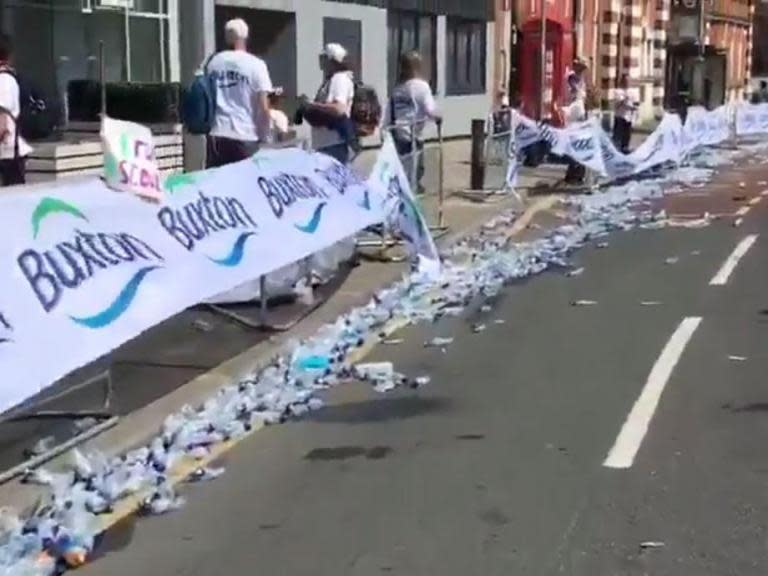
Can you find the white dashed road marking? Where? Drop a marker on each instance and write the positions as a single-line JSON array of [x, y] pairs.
[[623, 453], [722, 276]]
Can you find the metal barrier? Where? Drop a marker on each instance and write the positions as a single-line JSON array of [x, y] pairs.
[[498, 154], [424, 165]]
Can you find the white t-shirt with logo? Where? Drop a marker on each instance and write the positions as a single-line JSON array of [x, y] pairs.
[[9, 99], [240, 76], [340, 88], [412, 103], [625, 107]]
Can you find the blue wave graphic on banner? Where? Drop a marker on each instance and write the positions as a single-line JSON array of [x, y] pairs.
[[236, 255], [314, 223], [5, 340], [120, 305]]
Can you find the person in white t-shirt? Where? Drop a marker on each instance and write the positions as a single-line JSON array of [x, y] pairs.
[[624, 114], [13, 148], [242, 89], [412, 104], [334, 99]]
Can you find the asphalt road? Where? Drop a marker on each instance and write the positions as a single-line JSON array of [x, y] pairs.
[[498, 467]]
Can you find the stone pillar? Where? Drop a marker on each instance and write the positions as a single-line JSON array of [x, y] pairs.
[[197, 41], [632, 45], [609, 51], [660, 29]]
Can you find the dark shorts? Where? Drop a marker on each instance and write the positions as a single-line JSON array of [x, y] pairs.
[[340, 152], [223, 151], [13, 172]]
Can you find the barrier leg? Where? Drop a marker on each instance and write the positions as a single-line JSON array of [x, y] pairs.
[[440, 179], [104, 413], [414, 178], [263, 300]]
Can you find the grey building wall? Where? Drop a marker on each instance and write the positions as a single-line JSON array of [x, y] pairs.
[[458, 110], [196, 33]]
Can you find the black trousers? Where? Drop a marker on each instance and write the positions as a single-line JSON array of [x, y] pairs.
[[13, 171], [339, 152], [622, 134], [575, 173], [223, 151]]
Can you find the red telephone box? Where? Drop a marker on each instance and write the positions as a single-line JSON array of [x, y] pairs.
[[559, 56]]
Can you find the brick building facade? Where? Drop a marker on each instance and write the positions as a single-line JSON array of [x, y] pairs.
[[701, 49]]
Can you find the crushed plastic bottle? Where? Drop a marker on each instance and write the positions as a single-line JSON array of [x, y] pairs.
[[438, 342], [205, 474]]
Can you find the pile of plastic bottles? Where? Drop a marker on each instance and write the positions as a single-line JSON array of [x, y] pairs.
[[61, 533]]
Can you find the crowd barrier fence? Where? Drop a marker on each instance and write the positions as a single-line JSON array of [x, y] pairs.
[[424, 166]]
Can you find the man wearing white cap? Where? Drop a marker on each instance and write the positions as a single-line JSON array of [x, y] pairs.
[[242, 108], [334, 100]]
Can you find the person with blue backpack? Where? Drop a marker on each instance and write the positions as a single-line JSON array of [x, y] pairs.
[[229, 100]]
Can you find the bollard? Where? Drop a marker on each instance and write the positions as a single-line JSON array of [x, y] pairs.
[[441, 178], [477, 176]]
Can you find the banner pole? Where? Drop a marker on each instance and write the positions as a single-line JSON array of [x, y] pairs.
[[263, 298], [441, 178], [103, 79], [414, 160]]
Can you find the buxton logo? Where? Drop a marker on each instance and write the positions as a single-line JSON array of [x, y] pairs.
[[283, 191], [70, 264], [205, 217], [342, 179], [615, 160], [5, 330], [584, 147]]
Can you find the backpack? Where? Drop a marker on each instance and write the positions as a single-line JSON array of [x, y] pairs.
[[366, 109], [198, 106], [35, 120]]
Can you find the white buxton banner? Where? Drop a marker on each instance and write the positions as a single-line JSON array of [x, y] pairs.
[[402, 209], [86, 269], [751, 119], [672, 141]]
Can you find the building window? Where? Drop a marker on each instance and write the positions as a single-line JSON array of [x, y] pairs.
[[348, 33], [412, 31], [67, 35], [466, 56]]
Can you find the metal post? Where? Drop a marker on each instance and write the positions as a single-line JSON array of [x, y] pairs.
[[103, 79], [263, 299], [414, 161], [440, 178], [543, 56], [477, 175]]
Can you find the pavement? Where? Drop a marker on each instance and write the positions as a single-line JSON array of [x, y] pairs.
[[621, 438]]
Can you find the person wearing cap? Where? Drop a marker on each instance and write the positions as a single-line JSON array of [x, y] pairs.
[[574, 112], [243, 85], [624, 114], [334, 100]]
